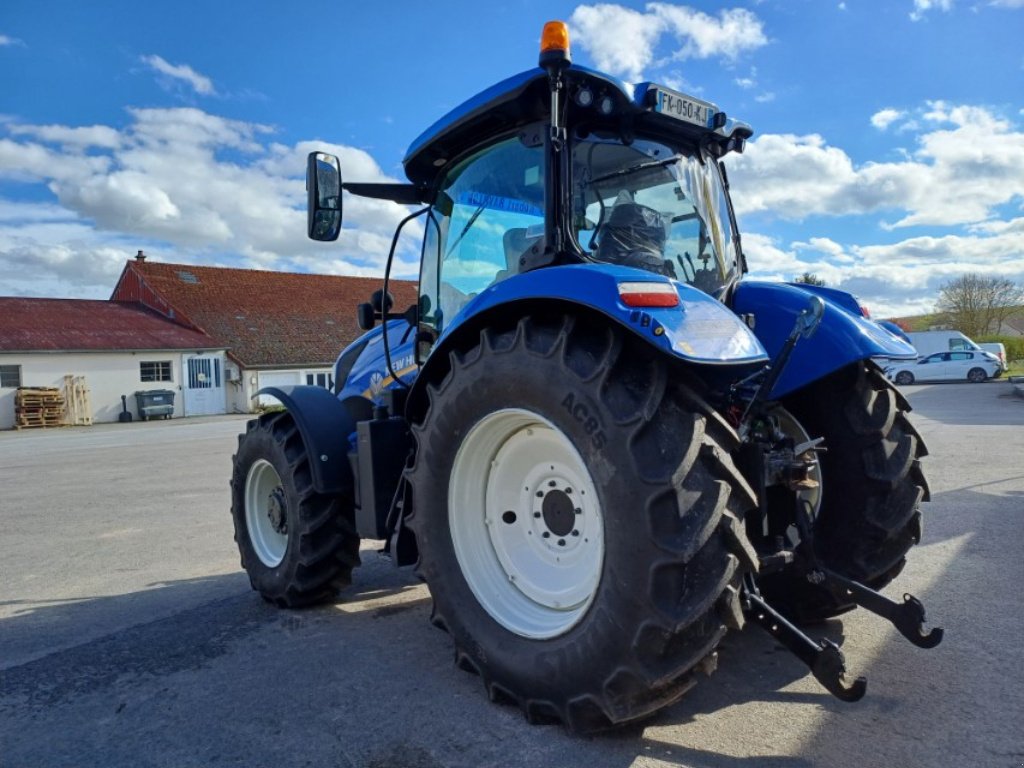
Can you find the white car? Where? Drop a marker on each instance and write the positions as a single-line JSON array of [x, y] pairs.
[[947, 366]]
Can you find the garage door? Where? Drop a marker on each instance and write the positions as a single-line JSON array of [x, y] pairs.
[[275, 379]]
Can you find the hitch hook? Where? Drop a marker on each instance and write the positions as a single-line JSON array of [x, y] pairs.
[[824, 659], [908, 617]]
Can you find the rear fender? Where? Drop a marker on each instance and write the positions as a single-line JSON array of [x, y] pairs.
[[700, 330], [325, 425], [842, 338]]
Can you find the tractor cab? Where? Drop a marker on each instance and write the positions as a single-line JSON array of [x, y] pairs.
[[562, 165]]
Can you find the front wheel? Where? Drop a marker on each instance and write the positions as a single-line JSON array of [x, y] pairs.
[[976, 375], [579, 522], [904, 377], [298, 546]]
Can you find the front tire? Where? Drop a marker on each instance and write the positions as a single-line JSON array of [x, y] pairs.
[[904, 378], [298, 546], [557, 427], [872, 485], [976, 375]]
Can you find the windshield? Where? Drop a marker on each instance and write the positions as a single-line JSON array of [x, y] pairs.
[[645, 205]]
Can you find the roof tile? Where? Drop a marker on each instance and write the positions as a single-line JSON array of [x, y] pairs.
[[76, 324], [265, 318]]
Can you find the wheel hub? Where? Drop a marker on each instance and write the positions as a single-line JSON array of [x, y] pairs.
[[275, 511], [558, 512]]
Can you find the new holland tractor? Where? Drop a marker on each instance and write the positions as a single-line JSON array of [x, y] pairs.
[[599, 445]]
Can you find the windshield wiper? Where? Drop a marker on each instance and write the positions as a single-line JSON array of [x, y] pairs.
[[638, 167], [465, 229]]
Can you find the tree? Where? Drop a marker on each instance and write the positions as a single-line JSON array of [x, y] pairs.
[[977, 305], [809, 278]]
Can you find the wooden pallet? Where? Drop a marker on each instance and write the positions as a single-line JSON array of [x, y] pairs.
[[38, 407], [77, 402]]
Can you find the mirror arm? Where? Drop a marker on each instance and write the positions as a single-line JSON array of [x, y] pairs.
[[405, 194]]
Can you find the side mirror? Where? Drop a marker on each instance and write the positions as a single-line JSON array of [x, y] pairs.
[[366, 318], [323, 205], [380, 304]]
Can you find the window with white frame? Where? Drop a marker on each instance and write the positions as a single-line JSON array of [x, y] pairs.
[[10, 376], [155, 370], [324, 380]]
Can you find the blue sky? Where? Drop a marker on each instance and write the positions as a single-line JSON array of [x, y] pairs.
[[888, 154]]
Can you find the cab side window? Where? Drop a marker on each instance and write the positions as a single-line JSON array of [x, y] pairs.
[[488, 213]]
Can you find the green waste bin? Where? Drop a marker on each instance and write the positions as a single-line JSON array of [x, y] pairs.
[[155, 402]]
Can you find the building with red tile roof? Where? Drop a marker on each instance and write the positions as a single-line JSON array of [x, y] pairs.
[[265, 319], [112, 350], [212, 335], [279, 327]]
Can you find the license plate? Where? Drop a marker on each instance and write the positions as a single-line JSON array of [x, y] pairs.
[[684, 108]]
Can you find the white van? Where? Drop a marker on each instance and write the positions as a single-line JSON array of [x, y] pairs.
[[929, 342]]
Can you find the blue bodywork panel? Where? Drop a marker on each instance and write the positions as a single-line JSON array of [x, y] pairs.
[[842, 338], [700, 329], [369, 376]]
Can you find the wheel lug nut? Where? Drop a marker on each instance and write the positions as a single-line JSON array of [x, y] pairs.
[[540, 494], [578, 511], [568, 491], [551, 483], [561, 542], [575, 533], [546, 535], [536, 514]]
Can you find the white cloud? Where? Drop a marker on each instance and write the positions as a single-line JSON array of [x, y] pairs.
[[6, 40], [885, 117], [1007, 3], [734, 31], [184, 184], [201, 84], [958, 174], [83, 137], [921, 7], [622, 41], [896, 279]]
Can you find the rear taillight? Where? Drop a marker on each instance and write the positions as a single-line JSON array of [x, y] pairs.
[[648, 295]]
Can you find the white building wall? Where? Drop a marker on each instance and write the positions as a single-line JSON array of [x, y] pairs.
[[108, 375], [243, 395]]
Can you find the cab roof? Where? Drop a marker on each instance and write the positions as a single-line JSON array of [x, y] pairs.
[[525, 98]]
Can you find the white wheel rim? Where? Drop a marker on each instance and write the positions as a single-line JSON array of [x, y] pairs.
[[263, 508], [795, 430], [526, 523]]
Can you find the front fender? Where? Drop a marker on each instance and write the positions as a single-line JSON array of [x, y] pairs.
[[325, 425], [841, 339], [699, 330]]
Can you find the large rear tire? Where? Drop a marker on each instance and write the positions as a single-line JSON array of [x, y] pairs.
[[579, 522], [872, 485], [298, 546]]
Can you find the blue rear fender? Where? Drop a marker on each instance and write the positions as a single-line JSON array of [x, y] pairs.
[[842, 338], [699, 329]]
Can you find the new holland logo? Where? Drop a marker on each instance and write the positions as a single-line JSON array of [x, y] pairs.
[[376, 383]]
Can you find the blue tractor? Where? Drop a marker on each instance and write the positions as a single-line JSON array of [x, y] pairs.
[[600, 446]]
